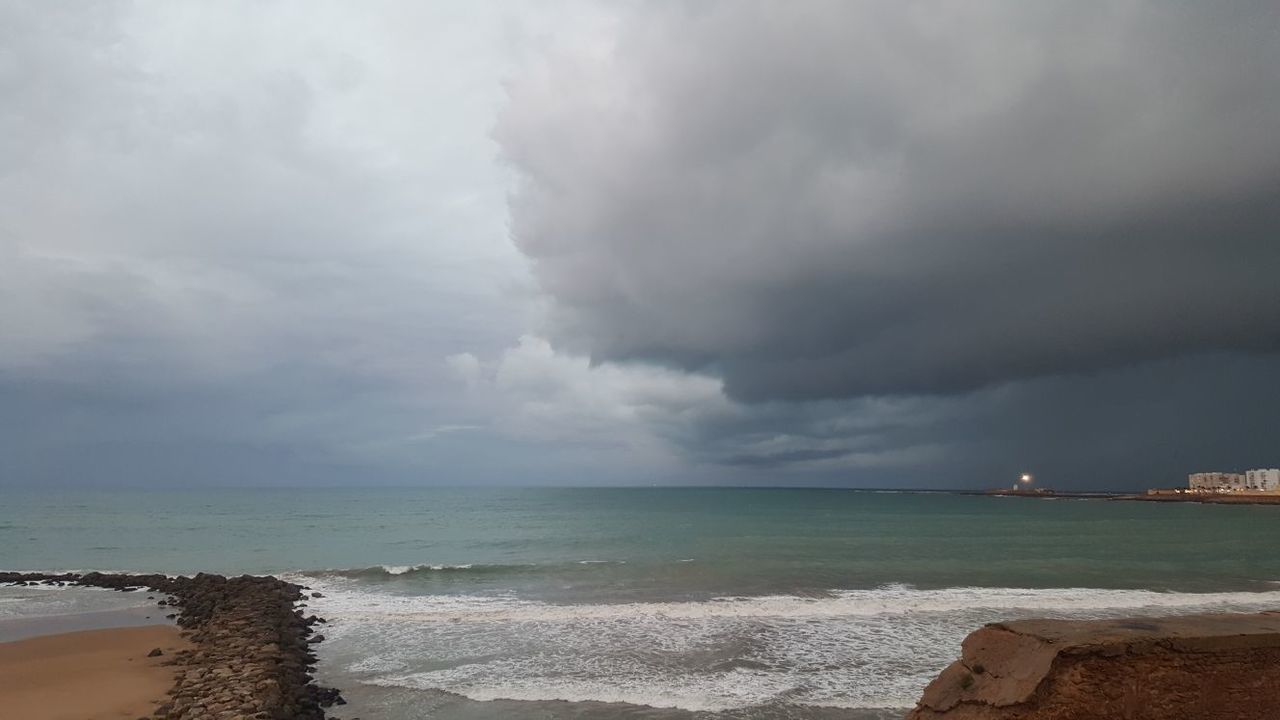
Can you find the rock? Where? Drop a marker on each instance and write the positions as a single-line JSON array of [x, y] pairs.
[[317, 595], [250, 654], [1208, 667]]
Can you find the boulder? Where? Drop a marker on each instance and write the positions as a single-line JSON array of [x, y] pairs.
[[1207, 667]]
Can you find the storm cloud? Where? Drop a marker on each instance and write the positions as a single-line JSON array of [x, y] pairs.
[[830, 200], [924, 244]]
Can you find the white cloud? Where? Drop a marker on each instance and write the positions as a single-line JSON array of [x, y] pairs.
[[295, 207], [660, 415], [466, 366], [549, 396]]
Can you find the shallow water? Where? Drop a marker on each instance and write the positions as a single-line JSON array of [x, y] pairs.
[[45, 610], [662, 603]]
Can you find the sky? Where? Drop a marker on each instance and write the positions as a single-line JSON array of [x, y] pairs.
[[927, 244]]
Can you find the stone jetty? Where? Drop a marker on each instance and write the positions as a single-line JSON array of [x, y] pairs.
[[252, 645]]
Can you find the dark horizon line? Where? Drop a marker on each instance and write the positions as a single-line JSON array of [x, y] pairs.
[[513, 486]]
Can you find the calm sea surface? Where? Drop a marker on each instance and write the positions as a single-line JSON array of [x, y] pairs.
[[654, 602]]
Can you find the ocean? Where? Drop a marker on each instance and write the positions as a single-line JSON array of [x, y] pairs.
[[655, 603]]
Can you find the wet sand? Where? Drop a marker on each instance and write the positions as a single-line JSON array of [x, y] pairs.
[[87, 675], [20, 628]]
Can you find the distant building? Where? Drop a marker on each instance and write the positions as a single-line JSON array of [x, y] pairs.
[[1266, 479], [1214, 481]]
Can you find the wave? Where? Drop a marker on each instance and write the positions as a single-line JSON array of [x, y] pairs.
[[44, 601], [86, 571], [375, 572], [870, 648], [886, 600], [406, 569], [691, 694]]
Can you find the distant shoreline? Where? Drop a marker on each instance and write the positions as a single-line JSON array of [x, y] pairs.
[[1209, 498], [1200, 498]]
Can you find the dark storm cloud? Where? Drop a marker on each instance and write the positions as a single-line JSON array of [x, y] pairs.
[[1130, 428], [834, 199], [267, 243]]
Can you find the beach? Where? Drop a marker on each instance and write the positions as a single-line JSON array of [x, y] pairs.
[[242, 647], [234, 666], [88, 674]]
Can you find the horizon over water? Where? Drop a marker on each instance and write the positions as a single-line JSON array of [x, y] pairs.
[[662, 602]]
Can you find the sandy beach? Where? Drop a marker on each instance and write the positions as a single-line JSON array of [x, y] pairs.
[[88, 675], [248, 649]]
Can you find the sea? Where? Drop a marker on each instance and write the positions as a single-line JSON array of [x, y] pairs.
[[657, 603]]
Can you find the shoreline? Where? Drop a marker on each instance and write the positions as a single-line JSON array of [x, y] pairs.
[[1199, 498], [248, 644], [227, 671], [97, 674], [1208, 499], [21, 628]]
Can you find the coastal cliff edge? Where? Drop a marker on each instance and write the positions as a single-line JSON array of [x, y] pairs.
[[1208, 667]]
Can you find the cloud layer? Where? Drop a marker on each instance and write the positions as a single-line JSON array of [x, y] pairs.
[[236, 239], [927, 243], [835, 200]]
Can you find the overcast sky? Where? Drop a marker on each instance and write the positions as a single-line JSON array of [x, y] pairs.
[[918, 244]]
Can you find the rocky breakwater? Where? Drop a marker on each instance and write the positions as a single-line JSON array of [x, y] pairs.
[[1201, 667], [252, 651]]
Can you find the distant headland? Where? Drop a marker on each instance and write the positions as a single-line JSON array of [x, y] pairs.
[[1253, 487]]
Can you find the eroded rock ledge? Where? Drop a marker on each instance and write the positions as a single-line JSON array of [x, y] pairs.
[[1207, 667], [252, 653]]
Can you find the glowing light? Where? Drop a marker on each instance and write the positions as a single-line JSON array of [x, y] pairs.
[[1026, 477]]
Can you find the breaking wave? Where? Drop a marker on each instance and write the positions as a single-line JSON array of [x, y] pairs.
[[385, 572], [872, 648], [887, 600], [394, 571]]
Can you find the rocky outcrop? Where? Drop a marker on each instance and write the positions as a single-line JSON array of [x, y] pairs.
[[1199, 667], [252, 645]]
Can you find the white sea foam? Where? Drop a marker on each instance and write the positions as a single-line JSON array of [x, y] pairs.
[[29, 601], [688, 692], [869, 648], [402, 569], [889, 600]]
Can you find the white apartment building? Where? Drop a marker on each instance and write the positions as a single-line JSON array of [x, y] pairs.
[[1216, 481], [1263, 479], [1266, 479]]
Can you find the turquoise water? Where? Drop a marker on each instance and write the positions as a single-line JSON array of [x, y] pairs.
[[744, 541], [661, 602]]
